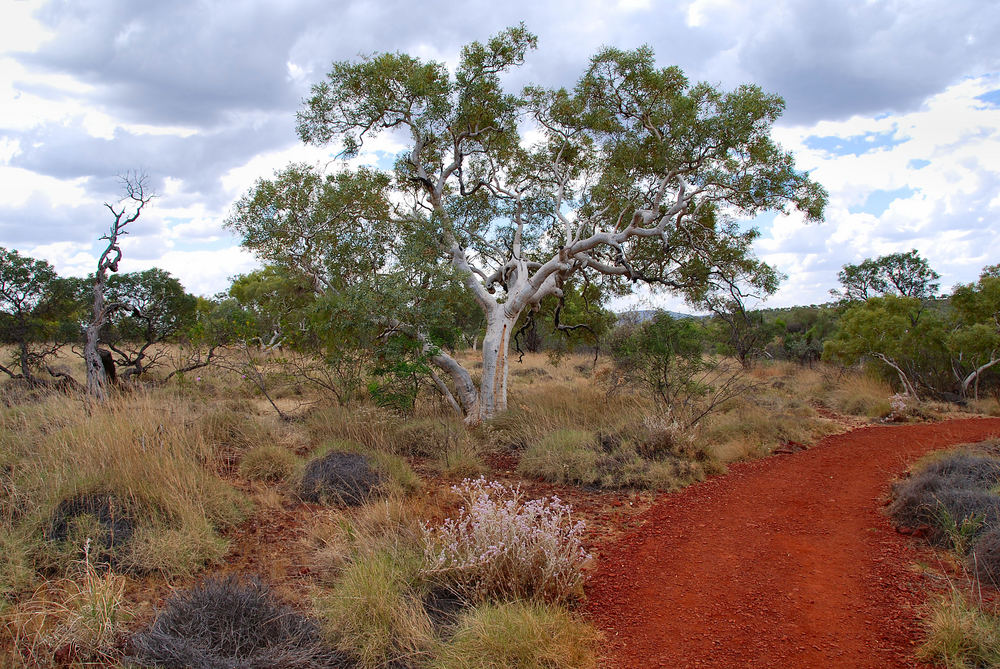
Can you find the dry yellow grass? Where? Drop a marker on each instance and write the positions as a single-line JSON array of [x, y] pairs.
[[171, 455], [85, 613], [146, 452], [518, 634]]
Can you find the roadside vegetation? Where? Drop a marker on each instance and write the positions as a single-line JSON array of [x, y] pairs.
[[952, 499]]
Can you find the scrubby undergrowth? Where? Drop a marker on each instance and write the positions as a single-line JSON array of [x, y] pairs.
[[952, 497], [173, 484]]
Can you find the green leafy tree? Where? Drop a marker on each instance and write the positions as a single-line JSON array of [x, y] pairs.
[[799, 333], [149, 308], [665, 359], [278, 300], [572, 321], [38, 314], [897, 334], [902, 274], [974, 340], [743, 331], [635, 176]]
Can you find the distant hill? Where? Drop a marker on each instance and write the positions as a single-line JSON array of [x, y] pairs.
[[643, 315]]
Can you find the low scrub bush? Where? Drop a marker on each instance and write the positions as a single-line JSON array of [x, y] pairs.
[[528, 635], [396, 472], [502, 546], [269, 463], [339, 478], [984, 560], [395, 476], [101, 520], [952, 495], [228, 621]]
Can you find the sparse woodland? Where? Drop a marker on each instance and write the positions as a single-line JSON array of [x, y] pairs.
[[402, 442]]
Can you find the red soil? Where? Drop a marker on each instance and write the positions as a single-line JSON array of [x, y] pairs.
[[787, 561]]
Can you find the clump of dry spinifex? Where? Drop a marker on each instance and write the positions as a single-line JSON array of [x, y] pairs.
[[130, 475]]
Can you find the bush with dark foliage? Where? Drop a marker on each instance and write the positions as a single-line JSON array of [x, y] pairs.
[[984, 560], [340, 478], [957, 487], [229, 622], [114, 519]]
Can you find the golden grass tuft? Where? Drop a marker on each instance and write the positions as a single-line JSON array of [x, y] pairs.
[[960, 633], [564, 456], [82, 616], [428, 436], [528, 635], [754, 427], [374, 611], [629, 460], [272, 464], [862, 395]]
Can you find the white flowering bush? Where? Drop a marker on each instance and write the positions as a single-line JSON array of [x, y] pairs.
[[897, 403], [502, 546]]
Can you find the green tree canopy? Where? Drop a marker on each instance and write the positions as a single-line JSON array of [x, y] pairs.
[[635, 175], [902, 274], [38, 312], [897, 334]]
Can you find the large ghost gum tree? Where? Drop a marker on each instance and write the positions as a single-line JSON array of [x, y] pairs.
[[635, 176]]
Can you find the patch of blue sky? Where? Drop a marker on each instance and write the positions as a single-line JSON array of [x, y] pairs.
[[385, 160], [992, 98], [879, 200], [855, 145], [918, 164], [763, 222]]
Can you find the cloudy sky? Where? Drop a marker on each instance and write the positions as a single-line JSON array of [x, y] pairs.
[[893, 106]]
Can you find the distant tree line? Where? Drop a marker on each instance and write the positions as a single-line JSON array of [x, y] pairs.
[[889, 318]]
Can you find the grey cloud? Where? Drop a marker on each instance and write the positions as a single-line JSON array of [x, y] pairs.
[[191, 63], [200, 160], [832, 59], [38, 221], [184, 62]]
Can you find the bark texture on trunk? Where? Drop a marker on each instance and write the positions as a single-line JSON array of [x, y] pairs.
[[493, 387], [97, 379]]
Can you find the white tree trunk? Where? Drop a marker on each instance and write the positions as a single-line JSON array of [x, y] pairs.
[[493, 386], [974, 376]]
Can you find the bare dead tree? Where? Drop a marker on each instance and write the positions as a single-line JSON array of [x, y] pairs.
[[135, 198]]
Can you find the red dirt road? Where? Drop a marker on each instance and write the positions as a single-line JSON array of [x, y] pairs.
[[786, 561]]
